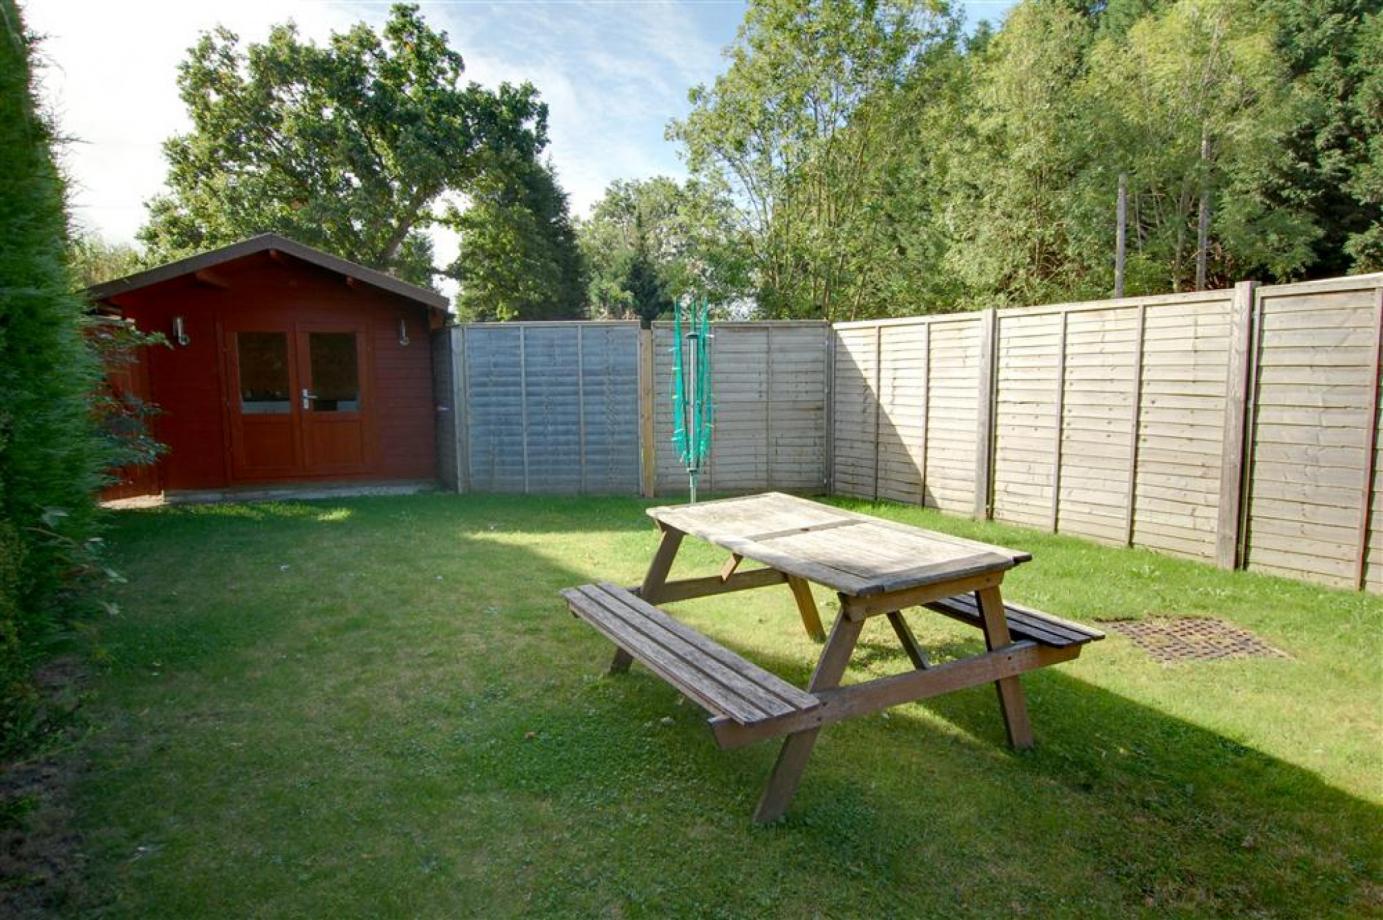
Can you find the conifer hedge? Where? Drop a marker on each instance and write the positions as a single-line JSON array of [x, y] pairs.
[[50, 452]]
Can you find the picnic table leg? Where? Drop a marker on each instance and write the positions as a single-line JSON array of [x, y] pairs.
[[1011, 699], [792, 757], [908, 640], [806, 607], [653, 581]]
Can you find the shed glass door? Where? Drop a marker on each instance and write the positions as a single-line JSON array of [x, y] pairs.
[[332, 400], [264, 435], [297, 402]]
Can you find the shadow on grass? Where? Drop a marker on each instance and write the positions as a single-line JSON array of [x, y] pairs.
[[492, 715], [1118, 800]]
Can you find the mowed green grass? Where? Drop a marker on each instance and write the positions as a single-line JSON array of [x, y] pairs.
[[380, 707]]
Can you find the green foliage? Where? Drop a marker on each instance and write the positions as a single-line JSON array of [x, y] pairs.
[[95, 260], [122, 418], [1365, 183], [519, 258], [790, 132], [880, 164], [349, 147], [49, 452], [649, 242], [648, 297]]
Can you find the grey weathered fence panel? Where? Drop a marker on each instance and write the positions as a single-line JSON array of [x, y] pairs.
[[551, 407], [609, 408]]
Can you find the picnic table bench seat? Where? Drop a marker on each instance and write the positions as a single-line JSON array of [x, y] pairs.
[[1023, 622], [720, 681]]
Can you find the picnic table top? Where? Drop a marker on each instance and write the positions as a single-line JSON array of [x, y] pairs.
[[853, 553]]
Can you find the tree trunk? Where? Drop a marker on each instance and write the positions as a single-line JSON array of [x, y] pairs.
[[1120, 235], [1203, 218]]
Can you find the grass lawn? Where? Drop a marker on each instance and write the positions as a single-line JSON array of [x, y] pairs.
[[380, 707]]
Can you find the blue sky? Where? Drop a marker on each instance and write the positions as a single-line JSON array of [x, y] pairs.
[[613, 73]]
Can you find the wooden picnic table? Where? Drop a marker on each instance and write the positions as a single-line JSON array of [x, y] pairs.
[[876, 567]]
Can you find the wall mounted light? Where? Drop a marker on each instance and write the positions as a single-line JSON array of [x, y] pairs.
[[180, 332], [403, 332]]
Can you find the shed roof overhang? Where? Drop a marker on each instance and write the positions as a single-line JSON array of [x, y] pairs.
[[201, 265]]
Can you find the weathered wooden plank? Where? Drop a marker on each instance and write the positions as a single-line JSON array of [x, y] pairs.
[[838, 704]]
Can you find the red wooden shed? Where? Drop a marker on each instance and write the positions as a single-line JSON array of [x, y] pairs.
[[285, 365]]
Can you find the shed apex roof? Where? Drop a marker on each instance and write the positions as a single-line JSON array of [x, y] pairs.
[[263, 243]]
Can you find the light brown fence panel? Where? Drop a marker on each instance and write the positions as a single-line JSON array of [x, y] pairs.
[[902, 418], [1028, 384], [768, 384], [1313, 463], [1109, 419], [1181, 423], [953, 413], [1097, 418], [855, 410]]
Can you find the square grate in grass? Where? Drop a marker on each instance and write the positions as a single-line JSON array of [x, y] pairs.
[[1176, 639]]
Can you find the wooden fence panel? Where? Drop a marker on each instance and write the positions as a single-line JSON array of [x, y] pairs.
[[1027, 386], [1313, 467], [550, 407], [797, 399], [1185, 369], [769, 384], [901, 422], [953, 413], [855, 408], [494, 399], [609, 407]]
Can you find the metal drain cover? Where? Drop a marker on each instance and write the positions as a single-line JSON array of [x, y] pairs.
[[1173, 639]]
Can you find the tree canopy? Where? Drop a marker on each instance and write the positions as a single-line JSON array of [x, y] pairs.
[[879, 161], [519, 258], [650, 242], [354, 146]]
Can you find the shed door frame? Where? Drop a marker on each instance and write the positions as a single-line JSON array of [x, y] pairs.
[[277, 445]]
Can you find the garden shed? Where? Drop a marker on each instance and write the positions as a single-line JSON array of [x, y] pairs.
[[284, 365]]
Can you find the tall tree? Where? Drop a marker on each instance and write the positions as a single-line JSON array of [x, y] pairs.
[[787, 131], [1195, 103], [683, 232], [519, 257], [95, 259], [348, 146]]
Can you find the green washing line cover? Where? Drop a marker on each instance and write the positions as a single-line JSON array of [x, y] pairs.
[[692, 348]]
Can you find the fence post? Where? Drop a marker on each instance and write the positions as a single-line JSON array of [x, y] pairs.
[[1135, 423], [1370, 446], [1059, 421], [984, 423], [1233, 439], [647, 452], [829, 451], [878, 398], [460, 396]]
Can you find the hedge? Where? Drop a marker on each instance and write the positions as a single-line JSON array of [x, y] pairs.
[[50, 452]]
